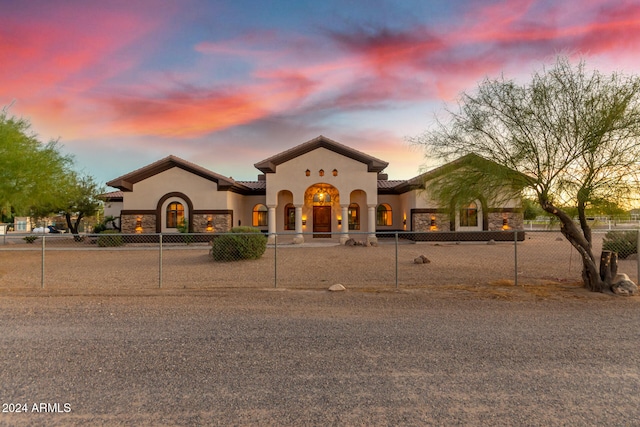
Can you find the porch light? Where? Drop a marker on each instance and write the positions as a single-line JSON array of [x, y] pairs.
[[209, 224], [304, 220], [339, 220], [139, 225], [433, 226], [505, 223]]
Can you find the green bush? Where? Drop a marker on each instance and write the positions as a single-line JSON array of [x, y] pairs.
[[241, 243], [99, 228], [624, 243], [30, 239], [109, 238]]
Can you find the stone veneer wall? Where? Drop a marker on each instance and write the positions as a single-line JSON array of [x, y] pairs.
[[221, 223], [128, 223], [515, 220], [422, 221]]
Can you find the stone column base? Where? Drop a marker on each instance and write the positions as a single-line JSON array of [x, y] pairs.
[[298, 240]]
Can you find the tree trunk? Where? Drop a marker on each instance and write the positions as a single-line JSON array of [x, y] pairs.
[[608, 267], [590, 273]]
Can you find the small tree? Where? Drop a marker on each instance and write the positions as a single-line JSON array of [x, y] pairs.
[[569, 138], [80, 200]]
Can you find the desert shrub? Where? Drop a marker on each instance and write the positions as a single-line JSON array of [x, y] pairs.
[[30, 239], [240, 243], [99, 228], [109, 238], [624, 243]]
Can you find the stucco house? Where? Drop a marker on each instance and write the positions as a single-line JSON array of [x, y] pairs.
[[320, 186]]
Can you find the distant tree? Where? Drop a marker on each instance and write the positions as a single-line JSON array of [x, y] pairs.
[[570, 137], [30, 172], [80, 200]]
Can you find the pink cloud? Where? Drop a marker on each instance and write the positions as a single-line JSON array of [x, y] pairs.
[[195, 112]]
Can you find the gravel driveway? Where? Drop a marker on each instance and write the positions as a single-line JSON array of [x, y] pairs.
[[429, 356]]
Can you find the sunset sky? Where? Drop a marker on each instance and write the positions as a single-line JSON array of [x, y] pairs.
[[225, 84]]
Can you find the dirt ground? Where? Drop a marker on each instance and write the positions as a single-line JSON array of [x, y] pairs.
[[543, 259], [457, 342], [489, 355]]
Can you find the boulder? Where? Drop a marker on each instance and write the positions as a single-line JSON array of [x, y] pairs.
[[422, 260], [491, 242], [350, 242], [337, 288], [624, 287]]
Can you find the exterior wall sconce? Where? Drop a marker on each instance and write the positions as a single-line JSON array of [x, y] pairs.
[[339, 220], [139, 225], [404, 221], [433, 226], [209, 224], [321, 172], [307, 172], [505, 223], [304, 221], [335, 172]]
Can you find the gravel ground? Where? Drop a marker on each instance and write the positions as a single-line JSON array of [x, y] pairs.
[[439, 355]]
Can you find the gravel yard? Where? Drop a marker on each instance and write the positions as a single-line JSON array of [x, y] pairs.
[[429, 356], [456, 344]]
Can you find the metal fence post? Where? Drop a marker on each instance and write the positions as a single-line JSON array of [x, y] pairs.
[[515, 252], [160, 263], [638, 260], [43, 247], [275, 260], [396, 260]]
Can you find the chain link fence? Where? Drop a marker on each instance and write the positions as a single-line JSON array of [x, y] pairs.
[[398, 260]]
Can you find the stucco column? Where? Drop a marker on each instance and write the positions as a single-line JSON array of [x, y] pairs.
[[371, 210], [299, 237], [345, 224], [272, 223]]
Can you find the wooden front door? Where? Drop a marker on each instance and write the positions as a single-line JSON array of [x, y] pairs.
[[322, 221]]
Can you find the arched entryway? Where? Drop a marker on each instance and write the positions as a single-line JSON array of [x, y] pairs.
[[324, 202]]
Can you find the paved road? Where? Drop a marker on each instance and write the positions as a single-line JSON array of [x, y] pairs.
[[267, 357]]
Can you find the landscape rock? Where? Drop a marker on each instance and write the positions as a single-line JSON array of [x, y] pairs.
[[624, 288], [350, 242], [422, 260], [337, 288], [491, 242]]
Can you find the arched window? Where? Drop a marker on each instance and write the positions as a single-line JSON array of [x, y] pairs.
[[260, 215], [321, 197], [354, 216], [289, 217], [384, 216], [469, 215], [175, 214]]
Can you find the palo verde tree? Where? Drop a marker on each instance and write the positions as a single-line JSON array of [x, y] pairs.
[[569, 138], [29, 170], [39, 180]]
